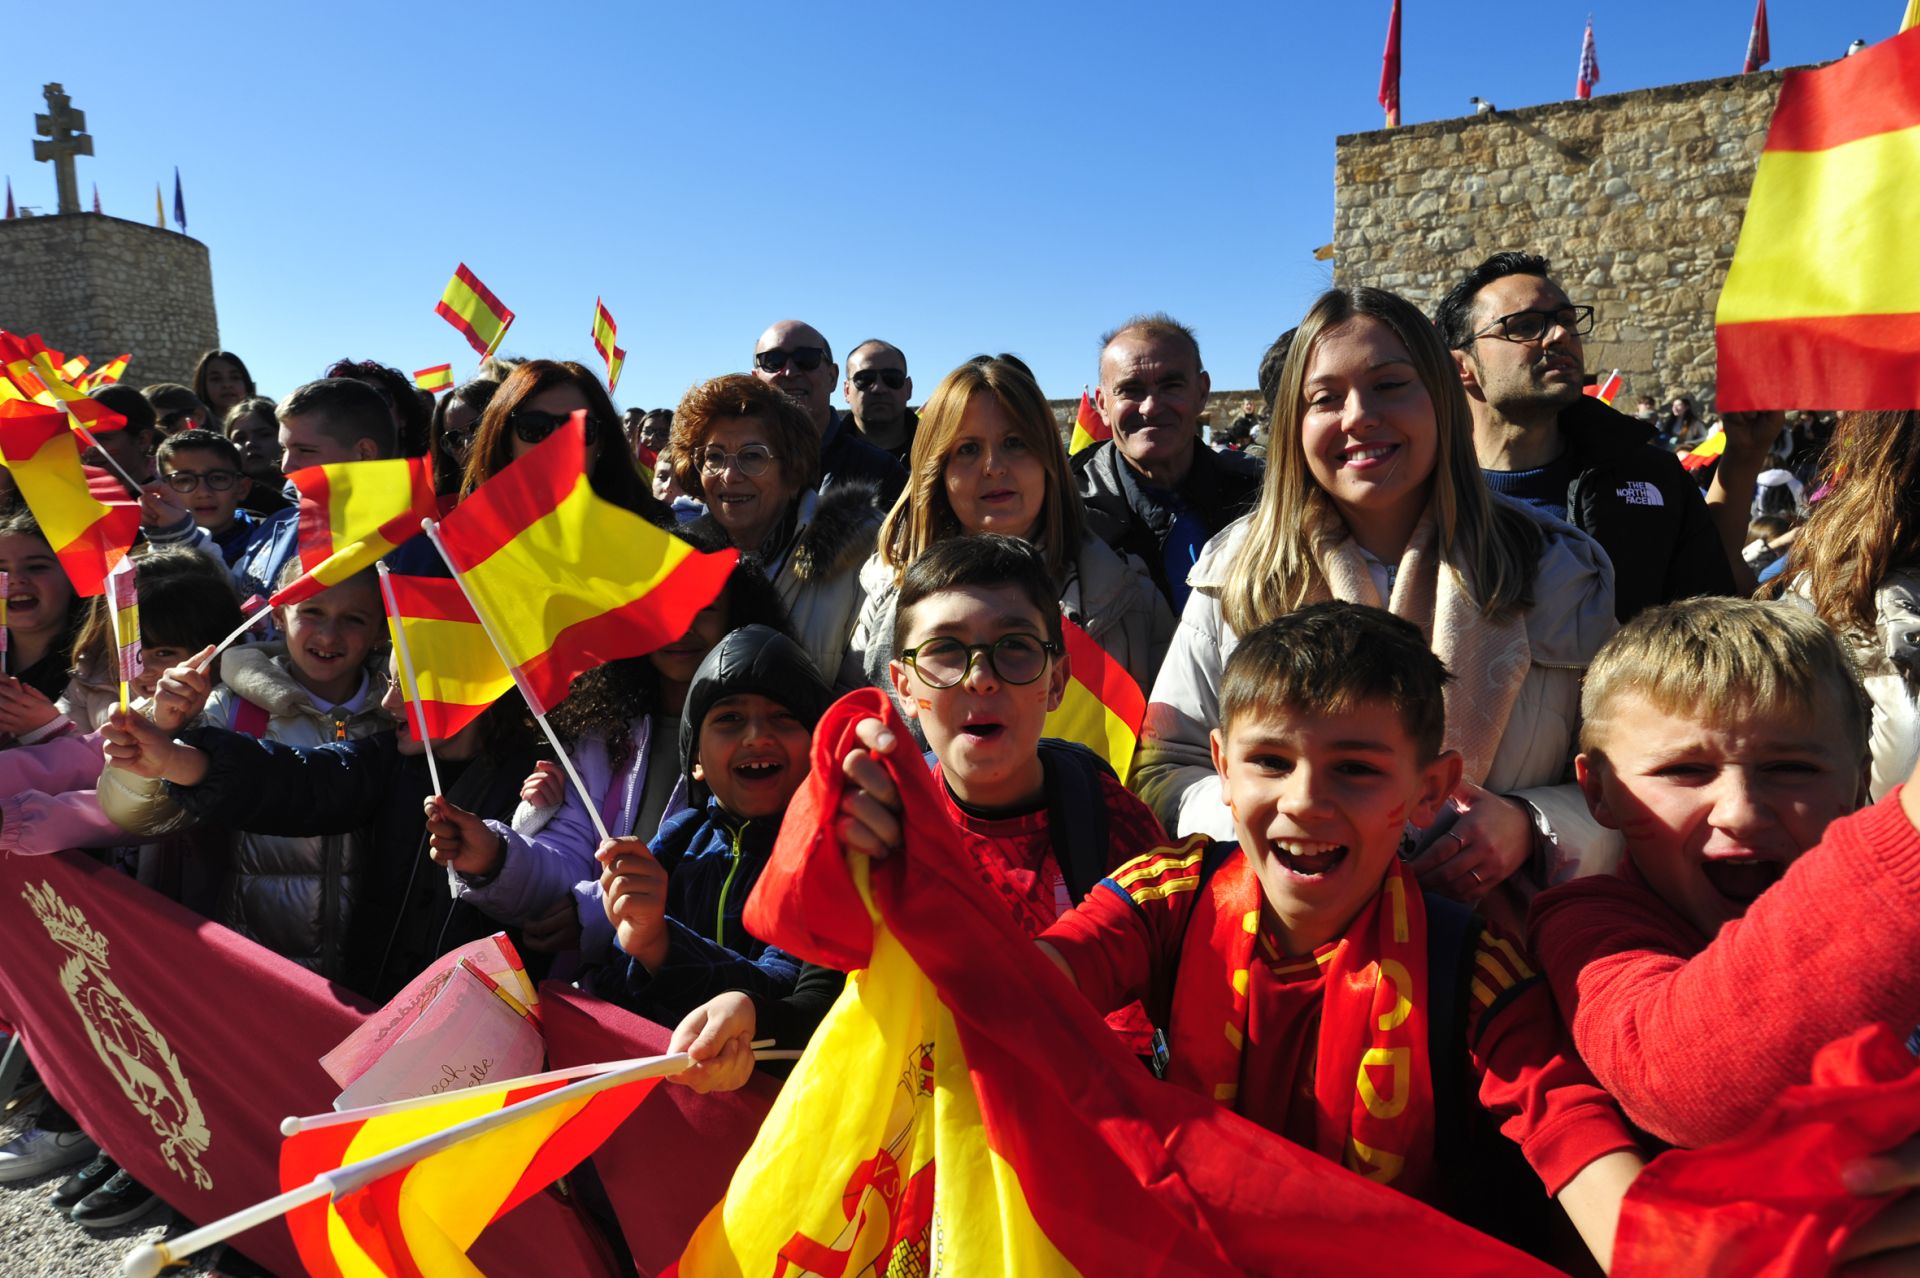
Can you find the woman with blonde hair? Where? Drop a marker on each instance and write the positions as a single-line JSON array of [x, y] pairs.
[[988, 458], [1373, 496]]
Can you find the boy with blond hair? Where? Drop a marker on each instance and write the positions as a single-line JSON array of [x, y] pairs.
[[1754, 920]]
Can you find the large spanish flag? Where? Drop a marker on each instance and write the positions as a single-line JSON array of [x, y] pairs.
[[963, 1111], [1089, 428], [352, 514], [89, 536], [1103, 706], [568, 580], [1822, 303], [421, 1216], [456, 670], [471, 307]]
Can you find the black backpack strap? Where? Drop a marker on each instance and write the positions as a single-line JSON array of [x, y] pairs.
[[1076, 814], [1453, 938]]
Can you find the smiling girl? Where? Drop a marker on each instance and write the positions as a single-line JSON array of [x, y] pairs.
[[42, 611]]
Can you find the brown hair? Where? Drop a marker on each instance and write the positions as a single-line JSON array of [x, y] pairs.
[[1868, 526], [1328, 658], [985, 560], [922, 516], [790, 432], [205, 365], [614, 476]]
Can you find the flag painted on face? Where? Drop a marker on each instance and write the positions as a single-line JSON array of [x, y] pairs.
[[89, 536], [352, 514], [566, 579], [422, 1217], [456, 670], [1757, 51], [1390, 69], [1810, 312], [1589, 73], [435, 379], [1103, 706], [471, 307], [1089, 428]]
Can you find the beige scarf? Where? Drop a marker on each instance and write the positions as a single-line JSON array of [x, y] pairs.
[[1488, 659]]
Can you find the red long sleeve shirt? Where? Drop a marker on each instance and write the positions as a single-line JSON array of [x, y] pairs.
[[1696, 1038]]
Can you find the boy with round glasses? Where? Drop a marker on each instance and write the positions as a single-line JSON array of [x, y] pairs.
[[204, 472]]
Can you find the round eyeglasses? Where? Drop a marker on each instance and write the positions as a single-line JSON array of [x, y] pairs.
[[1013, 659]]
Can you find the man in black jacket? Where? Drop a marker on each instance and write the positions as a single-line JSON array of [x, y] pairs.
[[1539, 439], [877, 390], [795, 359], [1154, 490]]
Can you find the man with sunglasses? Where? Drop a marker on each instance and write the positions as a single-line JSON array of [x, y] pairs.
[[1516, 339], [877, 391], [796, 360]]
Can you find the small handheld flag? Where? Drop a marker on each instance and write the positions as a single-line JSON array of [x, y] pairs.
[[1102, 708], [87, 535], [1607, 390], [604, 331], [471, 307], [123, 610], [352, 514], [1710, 448], [1589, 73], [435, 379], [106, 375], [614, 366], [457, 672], [1089, 428]]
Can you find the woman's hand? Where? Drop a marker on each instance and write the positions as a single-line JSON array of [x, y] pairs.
[[461, 840], [868, 819], [719, 1036], [132, 744], [1492, 839], [182, 692], [546, 788], [23, 708]]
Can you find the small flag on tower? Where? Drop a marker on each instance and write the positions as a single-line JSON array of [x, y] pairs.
[[471, 307], [159, 208], [435, 379], [96, 197], [1089, 428], [10, 213], [1390, 70], [1589, 73], [1757, 51], [179, 201], [603, 332]]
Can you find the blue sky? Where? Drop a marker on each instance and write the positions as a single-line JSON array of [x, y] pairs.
[[955, 179]]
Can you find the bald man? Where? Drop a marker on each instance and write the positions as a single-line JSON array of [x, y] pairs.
[[794, 358]]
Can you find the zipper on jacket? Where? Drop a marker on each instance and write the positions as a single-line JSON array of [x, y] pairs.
[[720, 914]]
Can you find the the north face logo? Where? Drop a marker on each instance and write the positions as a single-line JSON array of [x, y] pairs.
[[1640, 493]]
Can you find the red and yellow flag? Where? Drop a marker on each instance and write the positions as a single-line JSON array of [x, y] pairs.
[[962, 1110], [458, 673], [34, 372], [471, 307], [89, 536], [107, 374], [1818, 308], [352, 514], [614, 365], [568, 580], [1706, 451], [1088, 426], [435, 379], [1103, 706], [1606, 391], [421, 1217]]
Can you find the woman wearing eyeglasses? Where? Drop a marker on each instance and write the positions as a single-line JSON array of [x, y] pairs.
[[988, 458], [1373, 496], [753, 454], [534, 401]]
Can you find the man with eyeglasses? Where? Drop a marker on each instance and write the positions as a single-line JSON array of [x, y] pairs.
[[1517, 341], [877, 391], [796, 360]]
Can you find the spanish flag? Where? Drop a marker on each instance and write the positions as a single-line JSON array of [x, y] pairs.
[[1708, 449], [1822, 304], [105, 375], [1103, 706], [614, 365], [457, 670], [90, 536], [35, 372], [962, 1110], [1088, 426], [1606, 391], [435, 379], [471, 307], [352, 514], [567, 580], [398, 1211]]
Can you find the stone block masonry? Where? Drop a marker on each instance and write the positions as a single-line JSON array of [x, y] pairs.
[[1635, 198], [100, 286]]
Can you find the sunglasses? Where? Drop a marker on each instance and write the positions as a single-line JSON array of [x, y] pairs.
[[805, 358], [530, 426], [866, 377], [185, 481]]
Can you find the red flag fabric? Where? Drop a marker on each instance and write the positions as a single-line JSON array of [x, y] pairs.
[[700, 1137], [1770, 1204], [1589, 73], [1122, 1173], [180, 1046], [1757, 51], [1390, 69]]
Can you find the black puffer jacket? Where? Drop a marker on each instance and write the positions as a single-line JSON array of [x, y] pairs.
[[1219, 488], [1643, 508], [846, 457]]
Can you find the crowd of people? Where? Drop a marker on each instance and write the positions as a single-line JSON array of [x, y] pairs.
[[1463, 694]]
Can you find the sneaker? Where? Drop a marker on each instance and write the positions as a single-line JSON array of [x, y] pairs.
[[118, 1201], [35, 1152], [84, 1182]]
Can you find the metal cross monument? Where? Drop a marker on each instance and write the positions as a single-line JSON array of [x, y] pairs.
[[63, 135]]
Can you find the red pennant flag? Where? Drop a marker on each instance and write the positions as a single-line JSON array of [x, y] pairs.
[[1589, 73], [1757, 51], [1390, 69]]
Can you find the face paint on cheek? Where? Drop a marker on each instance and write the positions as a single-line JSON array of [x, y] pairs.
[[923, 703]]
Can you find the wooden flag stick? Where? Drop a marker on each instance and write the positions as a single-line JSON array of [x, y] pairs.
[[432, 529], [408, 683]]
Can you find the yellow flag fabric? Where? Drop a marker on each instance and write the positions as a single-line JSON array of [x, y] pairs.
[[1911, 18]]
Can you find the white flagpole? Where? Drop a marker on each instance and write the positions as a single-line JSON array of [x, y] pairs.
[[432, 529], [246, 625], [409, 683], [147, 1260]]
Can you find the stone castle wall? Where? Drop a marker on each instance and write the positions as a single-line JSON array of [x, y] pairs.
[[102, 286], [1636, 199]]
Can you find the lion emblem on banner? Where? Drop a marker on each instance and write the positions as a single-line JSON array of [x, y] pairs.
[[132, 1050]]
